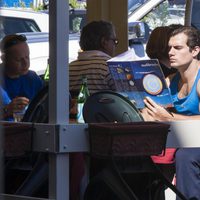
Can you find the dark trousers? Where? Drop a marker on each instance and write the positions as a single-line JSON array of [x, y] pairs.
[[188, 172]]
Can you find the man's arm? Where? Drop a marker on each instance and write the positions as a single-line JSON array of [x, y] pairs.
[[159, 113], [185, 117]]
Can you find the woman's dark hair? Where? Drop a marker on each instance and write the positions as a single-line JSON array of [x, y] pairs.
[[92, 34], [157, 45]]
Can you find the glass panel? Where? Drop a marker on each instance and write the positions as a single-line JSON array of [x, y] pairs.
[[134, 4], [13, 25], [166, 13], [77, 19]]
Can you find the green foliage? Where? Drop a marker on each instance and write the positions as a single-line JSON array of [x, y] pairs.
[[76, 24], [22, 4], [159, 16], [73, 3], [38, 8]]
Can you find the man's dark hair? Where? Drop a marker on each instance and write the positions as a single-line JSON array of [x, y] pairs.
[[192, 33], [92, 34]]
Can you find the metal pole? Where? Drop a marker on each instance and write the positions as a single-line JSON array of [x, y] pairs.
[[58, 61], [58, 93], [188, 12]]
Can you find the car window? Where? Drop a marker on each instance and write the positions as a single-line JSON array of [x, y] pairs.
[[166, 13], [77, 19], [11, 25]]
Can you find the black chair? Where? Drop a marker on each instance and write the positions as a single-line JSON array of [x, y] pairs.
[[32, 169], [109, 106], [109, 177], [38, 108], [35, 181]]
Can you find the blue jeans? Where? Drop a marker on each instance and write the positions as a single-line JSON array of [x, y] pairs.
[[188, 172]]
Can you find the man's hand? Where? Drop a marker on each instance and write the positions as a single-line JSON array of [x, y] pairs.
[[16, 105], [145, 115], [157, 112]]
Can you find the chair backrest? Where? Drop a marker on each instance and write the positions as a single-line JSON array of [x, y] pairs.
[[38, 108], [108, 106]]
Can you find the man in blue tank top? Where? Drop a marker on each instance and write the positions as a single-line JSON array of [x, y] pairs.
[[184, 50]]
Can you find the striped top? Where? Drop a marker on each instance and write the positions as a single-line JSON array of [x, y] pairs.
[[91, 64]]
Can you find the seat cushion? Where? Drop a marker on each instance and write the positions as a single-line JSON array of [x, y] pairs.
[[167, 157]]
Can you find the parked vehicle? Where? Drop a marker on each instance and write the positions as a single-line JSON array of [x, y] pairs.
[[35, 25], [23, 20], [148, 15]]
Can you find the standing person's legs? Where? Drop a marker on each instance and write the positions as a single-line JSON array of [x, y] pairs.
[[188, 172]]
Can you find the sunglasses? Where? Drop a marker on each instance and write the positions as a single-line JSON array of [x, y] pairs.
[[11, 40], [115, 40]]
